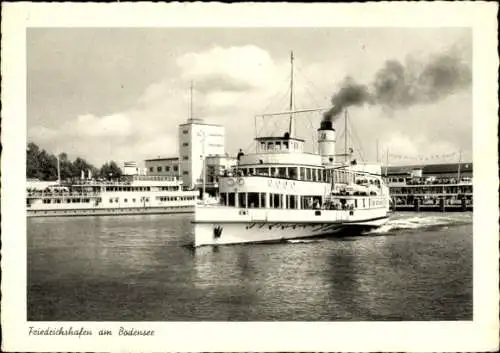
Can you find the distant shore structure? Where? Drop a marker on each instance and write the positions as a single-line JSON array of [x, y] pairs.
[[431, 187], [131, 168], [202, 157]]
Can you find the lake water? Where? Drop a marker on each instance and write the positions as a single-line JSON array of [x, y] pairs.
[[137, 268]]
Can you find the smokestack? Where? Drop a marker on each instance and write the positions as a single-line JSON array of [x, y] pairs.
[[326, 125], [326, 142]]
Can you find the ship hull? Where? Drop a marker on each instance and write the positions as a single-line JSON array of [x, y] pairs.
[[108, 211], [281, 226]]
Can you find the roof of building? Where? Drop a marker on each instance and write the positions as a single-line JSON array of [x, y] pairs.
[[161, 159], [428, 169], [200, 122]]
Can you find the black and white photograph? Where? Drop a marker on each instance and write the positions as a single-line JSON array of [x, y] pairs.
[[252, 174]]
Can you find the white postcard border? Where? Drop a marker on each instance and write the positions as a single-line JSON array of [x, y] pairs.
[[479, 335]]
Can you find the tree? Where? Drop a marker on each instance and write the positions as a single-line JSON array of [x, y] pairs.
[[42, 165], [110, 170]]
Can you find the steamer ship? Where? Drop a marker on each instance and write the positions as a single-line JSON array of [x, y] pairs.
[[136, 195], [280, 192]]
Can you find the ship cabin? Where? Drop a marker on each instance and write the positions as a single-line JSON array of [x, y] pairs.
[[281, 175]]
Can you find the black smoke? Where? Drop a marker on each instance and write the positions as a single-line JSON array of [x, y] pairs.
[[398, 86]]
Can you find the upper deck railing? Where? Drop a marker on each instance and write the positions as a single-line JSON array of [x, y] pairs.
[[424, 181]]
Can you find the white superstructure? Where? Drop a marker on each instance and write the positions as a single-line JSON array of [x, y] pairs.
[[137, 195]]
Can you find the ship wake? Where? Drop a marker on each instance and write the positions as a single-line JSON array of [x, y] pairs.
[[421, 222]]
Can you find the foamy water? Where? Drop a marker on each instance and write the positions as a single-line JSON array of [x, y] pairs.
[[410, 221]]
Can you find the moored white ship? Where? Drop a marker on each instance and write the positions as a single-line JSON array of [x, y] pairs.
[[137, 195], [281, 192]]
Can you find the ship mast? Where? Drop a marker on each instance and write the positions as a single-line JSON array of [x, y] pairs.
[[345, 135], [58, 170], [191, 101], [291, 127]]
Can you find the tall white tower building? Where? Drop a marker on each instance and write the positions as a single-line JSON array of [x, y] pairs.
[[198, 140]]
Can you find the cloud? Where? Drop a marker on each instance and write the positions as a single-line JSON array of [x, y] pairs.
[[115, 125], [234, 68], [42, 134]]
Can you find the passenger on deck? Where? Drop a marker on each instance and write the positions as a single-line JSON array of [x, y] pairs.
[[240, 153]]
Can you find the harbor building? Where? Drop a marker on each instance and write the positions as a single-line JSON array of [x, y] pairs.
[[198, 140], [432, 187], [131, 168], [163, 167], [395, 174]]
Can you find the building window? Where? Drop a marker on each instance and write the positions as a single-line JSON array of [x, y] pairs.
[[185, 144], [185, 158], [150, 169], [158, 169]]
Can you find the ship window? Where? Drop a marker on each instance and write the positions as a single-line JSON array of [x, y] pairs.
[[150, 169], [184, 132], [308, 174], [185, 172], [285, 144], [242, 199], [263, 146], [231, 199], [185, 144], [116, 199], [68, 201], [262, 171], [133, 200], [167, 168], [274, 172], [125, 200], [314, 174], [222, 199], [176, 168], [292, 173], [302, 173], [185, 158], [262, 200], [291, 201], [253, 199], [275, 200], [158, 169], [270, 146]]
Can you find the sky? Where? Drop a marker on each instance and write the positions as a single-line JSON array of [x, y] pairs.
[[120, 94]]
